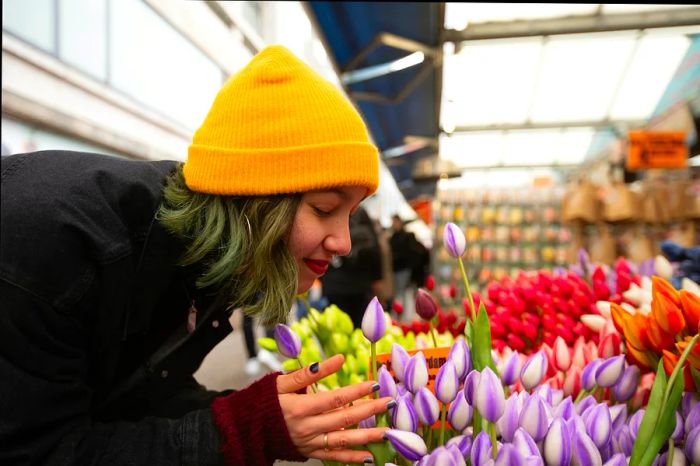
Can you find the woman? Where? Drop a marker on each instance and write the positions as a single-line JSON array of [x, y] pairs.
[[117, 277]]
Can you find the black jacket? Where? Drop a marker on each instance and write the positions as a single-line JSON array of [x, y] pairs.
[[96, 361]]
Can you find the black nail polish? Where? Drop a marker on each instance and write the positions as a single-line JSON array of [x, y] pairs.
[[391, 404], [375, 387], [314, 367], [368, 461]]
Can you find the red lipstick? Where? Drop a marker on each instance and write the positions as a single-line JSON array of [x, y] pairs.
[[318, 267]]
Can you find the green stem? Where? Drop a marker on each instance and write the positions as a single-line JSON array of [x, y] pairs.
[[469, 292], [430, 438], [669, 458], [678, 368], [301, 366], [443, 418], [494, 444], [582, 394], [432, 332], [373, 350]]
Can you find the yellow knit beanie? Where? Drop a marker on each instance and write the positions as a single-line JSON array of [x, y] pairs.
[[279, 127]]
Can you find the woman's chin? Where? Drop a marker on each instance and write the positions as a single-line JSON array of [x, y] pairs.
[[304, 285]]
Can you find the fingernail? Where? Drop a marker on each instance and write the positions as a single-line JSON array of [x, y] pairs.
[[375, 387], [391, 404], [368, 461], [314, 367]]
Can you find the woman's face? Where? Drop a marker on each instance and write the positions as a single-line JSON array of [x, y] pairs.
[[321, 230]]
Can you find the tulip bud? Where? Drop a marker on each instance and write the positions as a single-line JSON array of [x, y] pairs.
[[524, 443], [609, 371], [461, 357], [426, 307], [288, 342], [623, 441], [508, 455], [588, 380], [463, 443], [416, 372], [572, 381], [533, 370], [618, 459], [489, 397], [510, 368], [399, 359], [635, 421], [566, 409], [373, 321], [508, 423], [584, 451], [618, 414], [387, 384], [454, 240], [561, 354], [459, 413], [481, 448], [533, 418], [404, 415], [446, 382], [407, 444], [470, 384], [692, 445], [693, 418], [427, 406], [599, 425], [368, 423], [625, 387], [557, 444]]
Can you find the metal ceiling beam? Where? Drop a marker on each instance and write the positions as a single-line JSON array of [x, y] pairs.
[[576, 25], [551, 125]]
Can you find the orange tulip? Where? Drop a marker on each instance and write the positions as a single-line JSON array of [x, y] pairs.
[[641, 358], [694, 355], [667, 313], [658, 337], [670, 361], [660, 285], [618, 316], [635, 330], [690, 303]]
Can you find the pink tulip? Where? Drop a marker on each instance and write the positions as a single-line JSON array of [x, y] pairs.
[[561, 354]]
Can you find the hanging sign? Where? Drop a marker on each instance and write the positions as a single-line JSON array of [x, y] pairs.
[[657, 149]]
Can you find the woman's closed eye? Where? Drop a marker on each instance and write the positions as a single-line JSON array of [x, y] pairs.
[[321, 212]]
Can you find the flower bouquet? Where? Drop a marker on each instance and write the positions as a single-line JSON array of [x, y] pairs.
[[621, 392]]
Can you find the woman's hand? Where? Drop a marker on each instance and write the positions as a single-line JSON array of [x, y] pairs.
[[313, 416]]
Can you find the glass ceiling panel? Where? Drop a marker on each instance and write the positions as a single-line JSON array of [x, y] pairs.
[[656, 59], [579, 76], [458, 15], [490, 81], [478, 149]]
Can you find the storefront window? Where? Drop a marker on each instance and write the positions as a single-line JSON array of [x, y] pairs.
[[31, 20], [83, 36]]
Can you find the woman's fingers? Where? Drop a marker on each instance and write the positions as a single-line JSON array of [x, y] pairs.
[[302, 378], [340, 397], [351, 415], [339, 444]]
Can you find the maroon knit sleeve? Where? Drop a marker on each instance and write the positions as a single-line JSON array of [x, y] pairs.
[[252, 426]]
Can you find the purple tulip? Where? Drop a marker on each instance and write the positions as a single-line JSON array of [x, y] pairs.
[[387, 384], [459, 413], [508, 423], [634, 421], [692, 445], [534, 461], [534, 370], [584, 451], [374, 321], [693, 418], [688, 402], [446, 382], [565, 409], [407, 444], [427, 406], [623, 441], [454, 240], [288, 342], [401, 388], [463, 444], [456, 455], [679, 431], [399, 359], [444, 456], [524, 443], [481, 448], [609, 371], [508, 455], [585, 403], [533, 418], [404, 415], [545, 392], [618, 414], [426, 307], [416, 373], [470, 384], [461, 357], [489, 397], [368, 423], [510, 368], [557, 396], [588, 380], [599, 425], [557, 444], [618, 459]]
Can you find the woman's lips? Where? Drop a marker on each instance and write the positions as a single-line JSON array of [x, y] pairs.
[[318, 267]]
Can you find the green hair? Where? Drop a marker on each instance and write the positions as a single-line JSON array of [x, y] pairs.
[[239, 241]]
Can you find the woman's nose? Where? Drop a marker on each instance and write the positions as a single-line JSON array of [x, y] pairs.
[[339, 241]]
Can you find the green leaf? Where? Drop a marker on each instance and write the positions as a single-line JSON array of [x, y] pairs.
[[268, 343], [382, 452], [481, 348], [651, 415], [665, 425], [696, 377]]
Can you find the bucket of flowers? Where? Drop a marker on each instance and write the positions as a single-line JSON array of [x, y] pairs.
[[627, 396]]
